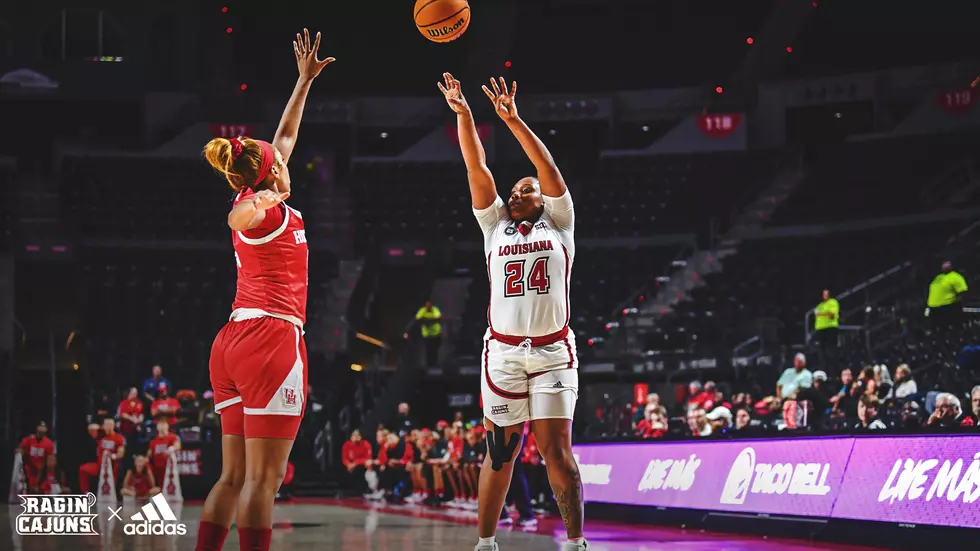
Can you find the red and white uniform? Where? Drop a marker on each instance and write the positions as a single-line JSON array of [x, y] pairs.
[[160, 453], [528, 349], [140, 482], [258, 360], [36, 454]]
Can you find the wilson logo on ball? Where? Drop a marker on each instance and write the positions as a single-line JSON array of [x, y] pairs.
[[442, 20]]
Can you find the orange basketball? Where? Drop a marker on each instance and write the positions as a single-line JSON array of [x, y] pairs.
[[442, 20]]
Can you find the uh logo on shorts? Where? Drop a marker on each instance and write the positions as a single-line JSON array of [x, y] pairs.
[[289, 397]]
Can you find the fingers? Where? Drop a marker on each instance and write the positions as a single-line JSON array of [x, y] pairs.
[[489, 93], [503, 86], [283, 196], [513, 88], [296, 49], [496, 89], [442, 89], [306, 38], [316, 44]]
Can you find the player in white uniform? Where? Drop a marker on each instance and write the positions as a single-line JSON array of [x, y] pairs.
[[530, 370]]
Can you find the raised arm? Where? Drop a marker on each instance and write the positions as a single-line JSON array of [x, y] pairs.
[[552, 183], [309, 67], [482, 188]]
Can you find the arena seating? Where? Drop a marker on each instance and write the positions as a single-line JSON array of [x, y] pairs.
[[889, 172], [628, 197], [640, 196], [149, 198], [835, 39], [6, 209], [783, 278]]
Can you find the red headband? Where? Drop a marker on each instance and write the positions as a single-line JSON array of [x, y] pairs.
[[268, 156]]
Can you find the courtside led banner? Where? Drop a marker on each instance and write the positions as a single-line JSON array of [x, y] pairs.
[[921, 480]]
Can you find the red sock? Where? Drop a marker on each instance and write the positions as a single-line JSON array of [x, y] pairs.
[[210, 537], [254, 539]]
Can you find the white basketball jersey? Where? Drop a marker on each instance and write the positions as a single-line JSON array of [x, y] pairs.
[[529, 274]]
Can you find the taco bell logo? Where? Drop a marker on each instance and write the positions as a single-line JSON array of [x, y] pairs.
[[747, 476]]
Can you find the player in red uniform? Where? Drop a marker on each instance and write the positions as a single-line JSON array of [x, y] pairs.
[[258, 360], [36, 449], [160, 448], [111, 443], [139, 482]]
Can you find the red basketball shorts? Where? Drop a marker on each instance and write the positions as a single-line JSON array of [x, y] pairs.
[[259, 373]]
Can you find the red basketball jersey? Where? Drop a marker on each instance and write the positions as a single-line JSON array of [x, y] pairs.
[[273, 265]]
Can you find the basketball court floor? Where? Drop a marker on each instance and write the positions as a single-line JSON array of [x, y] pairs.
[[353, 525]]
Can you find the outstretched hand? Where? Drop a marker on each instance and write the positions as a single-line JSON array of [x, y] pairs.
[[306, 55], [267, 198], [453, 94], [503, 100]]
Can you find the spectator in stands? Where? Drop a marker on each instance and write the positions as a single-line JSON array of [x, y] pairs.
[[110, 443], [825, 324], [356, 456], [948, 413], [818, 396], [130, 415], [697, 423], [945, 292], [403, 422], [975, 403], [794, 379], [743, 420], [160, 449], [867, 412], [693, 393], [720, 419], [904, 383], [911, 415], [654, 425], [883, 381], [165, 406], [428, 317], [35, 450], [151, 386], [53, 478], [653, 400], [139, 482]]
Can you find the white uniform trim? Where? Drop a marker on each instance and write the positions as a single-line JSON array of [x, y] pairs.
[[242, 314], [271, 236], [227, 403], [293, 385]]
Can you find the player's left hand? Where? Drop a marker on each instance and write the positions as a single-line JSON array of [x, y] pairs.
[[504, 101], [306, 61]]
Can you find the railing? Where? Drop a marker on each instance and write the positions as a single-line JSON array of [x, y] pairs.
[[808, 330]]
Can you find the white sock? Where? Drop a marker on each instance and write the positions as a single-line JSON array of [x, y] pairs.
[[487, 541]]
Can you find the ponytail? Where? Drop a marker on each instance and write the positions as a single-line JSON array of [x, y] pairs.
[[240, 167]]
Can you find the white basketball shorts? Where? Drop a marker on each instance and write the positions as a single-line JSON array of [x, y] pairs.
[[523, 383]]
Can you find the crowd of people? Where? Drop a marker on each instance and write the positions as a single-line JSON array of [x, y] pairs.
[[439, 466], [871, 400], [136, 437]]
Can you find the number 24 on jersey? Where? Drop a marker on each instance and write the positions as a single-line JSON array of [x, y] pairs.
[[536, 279]]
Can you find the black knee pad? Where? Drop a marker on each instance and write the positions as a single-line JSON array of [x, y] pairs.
[[501, 452]]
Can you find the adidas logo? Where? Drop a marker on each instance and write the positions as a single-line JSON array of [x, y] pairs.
[[558, 385], [156, 518]]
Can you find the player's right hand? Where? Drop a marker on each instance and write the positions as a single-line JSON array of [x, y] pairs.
[[266, 199], [453, 94]]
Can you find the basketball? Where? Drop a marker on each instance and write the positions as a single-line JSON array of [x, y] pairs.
[[442, 20]]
